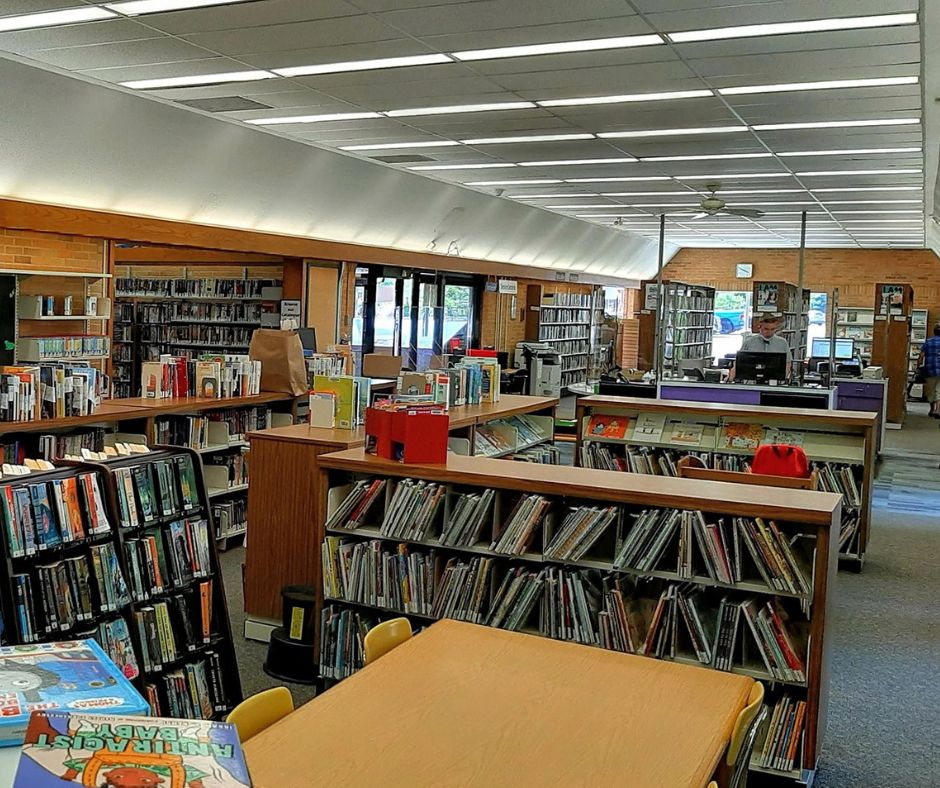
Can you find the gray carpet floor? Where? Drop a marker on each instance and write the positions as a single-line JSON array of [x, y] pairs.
[[885, 630]]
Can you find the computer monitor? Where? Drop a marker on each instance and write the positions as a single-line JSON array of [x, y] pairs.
[[760, 367], [308, 338], [845, 348]]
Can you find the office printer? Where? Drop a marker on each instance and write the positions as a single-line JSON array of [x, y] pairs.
[[544, 365]]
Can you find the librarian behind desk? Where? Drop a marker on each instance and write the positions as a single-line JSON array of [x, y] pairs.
[[467, 705]]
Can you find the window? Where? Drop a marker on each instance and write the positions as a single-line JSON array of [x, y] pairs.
[[732, 321], [818, 305], [614, 304]]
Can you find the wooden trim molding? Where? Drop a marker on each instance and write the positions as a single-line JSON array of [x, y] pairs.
[[48, 218]]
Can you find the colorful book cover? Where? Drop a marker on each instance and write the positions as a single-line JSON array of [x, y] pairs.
[[72, 504], [8, 505], [607, 426], [738, 435], [72, 675], [687, 434], [69, 748], [344, 388], [47, 534], [24, 515], [187, 480], [649, 427]]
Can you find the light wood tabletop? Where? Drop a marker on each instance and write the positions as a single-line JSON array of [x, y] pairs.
[[467, 705]]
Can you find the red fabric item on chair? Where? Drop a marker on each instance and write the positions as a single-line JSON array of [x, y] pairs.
[[781, 459]]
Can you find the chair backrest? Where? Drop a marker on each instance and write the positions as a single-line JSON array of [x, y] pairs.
[[256, 713], [517, 382], [377, 365], [743, 724], [739, 771], [383, 637]]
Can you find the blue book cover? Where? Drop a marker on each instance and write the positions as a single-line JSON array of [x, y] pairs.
[[65, 749], [47, 534], [73, 675]]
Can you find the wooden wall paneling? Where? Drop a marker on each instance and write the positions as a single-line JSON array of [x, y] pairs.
[[323, 283]]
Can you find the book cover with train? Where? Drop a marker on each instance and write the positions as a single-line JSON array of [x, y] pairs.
[[65, 749]]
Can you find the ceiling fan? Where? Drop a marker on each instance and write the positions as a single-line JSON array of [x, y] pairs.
[[713, 205]]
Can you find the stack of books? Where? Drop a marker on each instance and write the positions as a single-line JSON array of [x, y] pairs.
[[211, 375], [519, 529], [463, 590], [342, 632], [784, 733], [48, 391], [413, 510]]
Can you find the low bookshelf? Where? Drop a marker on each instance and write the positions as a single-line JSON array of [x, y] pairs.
[[650, 436], [123, 551], [570, 553]]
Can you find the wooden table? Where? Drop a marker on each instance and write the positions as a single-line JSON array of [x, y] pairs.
[[466, 705]]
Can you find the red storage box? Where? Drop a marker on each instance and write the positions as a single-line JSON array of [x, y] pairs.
[[409, 435]]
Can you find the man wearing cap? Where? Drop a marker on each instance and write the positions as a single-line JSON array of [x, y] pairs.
[[766, 340]]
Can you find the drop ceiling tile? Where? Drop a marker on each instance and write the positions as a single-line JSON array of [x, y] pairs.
[[122, 54], [420, 93], [295, 35], [105, 31], [244, 15], [13, 7], [313, 55], [209, 65], [633, 67]]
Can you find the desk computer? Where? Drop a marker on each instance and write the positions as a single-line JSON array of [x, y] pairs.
[[760, 367]]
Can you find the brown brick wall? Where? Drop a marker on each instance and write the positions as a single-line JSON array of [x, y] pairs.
[[853, 271], [48, 251]]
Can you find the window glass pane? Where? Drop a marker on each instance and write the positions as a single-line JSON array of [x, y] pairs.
[[385, 316], [732, 321], [458, 317], [818, 304]]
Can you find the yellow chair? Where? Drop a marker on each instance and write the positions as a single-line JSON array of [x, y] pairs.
[[256, 713], [744, 735], [713, 784], [383, 637]]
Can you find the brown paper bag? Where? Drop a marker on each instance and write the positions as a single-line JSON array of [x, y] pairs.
[[283, 368]]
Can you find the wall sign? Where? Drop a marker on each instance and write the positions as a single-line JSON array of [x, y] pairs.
[[508, 286]]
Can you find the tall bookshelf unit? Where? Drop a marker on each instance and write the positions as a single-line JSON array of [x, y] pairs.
[[578, 599], [185, 317], [858, 323], [792, 305], [113, 596], [566, 322], [657, 433], [688, 325], [891, 342]]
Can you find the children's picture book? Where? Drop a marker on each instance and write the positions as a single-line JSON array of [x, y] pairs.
[[73, 675], [788, 437], [687, 434], [607, 426], [322, 409], [649, 427], [69, 748], [738, 435], [344, 388]]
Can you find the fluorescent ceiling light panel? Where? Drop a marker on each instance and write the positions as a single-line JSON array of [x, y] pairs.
[[363, 65], [566, 162], [136, 7], [874, 202], [837, 124], [672, 132], [870, 189], [762, 191], [559, 47], [850, 223], [313, 118], [843, 213], [848, 152], [832, 84], [709, 157], [784, 28], [402, 145], [198, 79], [67, 16], [544, 196], [625, 99], [909, 171], [576, 207], [599, 215], [493, 166], [740, 175], [635, 178], [459, 108], [527, 138], [535, 182], [683, 193]]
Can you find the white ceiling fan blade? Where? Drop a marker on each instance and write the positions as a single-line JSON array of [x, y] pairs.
[[700, 215], [751, 213]]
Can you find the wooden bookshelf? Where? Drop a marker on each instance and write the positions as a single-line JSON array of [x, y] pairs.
[[814, 516], [283, 548], [688, 324], [845, 438], [891, 342], [565, 321]]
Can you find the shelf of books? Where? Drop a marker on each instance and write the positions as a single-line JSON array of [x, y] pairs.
[[785, 299], [858, 323], [688, 324], [722, 576], [650, 436], [186, 317], [123, 551], [566, 322], [524, 437]]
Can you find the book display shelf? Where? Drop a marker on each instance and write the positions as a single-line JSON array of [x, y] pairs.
[[722, 576], [123, 551], [56, 316], [284, 547], [185, 317], [524, 437], [688, 324], [893, 310], [786, 300], [651, 436]]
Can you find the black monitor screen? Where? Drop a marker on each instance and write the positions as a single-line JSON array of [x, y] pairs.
[[308, 338], [760, 367]]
